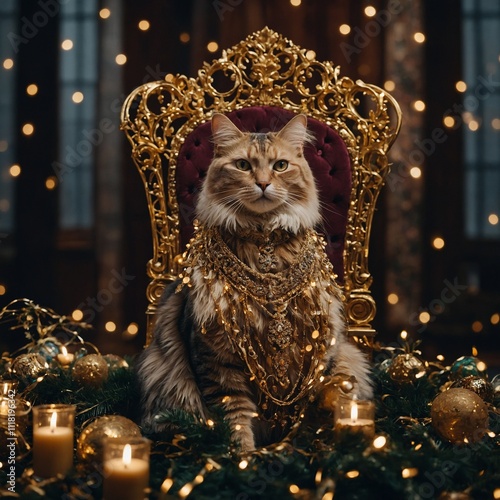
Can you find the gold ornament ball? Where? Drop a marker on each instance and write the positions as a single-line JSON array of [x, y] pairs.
[[458, 415], [91, 370], [406, 368], [476, 384], [29, 367], [114, 361], [90, 441]]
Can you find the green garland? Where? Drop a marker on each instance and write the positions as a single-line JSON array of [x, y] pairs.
[[198, 460]]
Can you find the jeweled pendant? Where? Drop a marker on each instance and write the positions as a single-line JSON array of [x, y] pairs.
[[280, 332]]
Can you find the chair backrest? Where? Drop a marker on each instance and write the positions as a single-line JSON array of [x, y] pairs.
[[260, 84]]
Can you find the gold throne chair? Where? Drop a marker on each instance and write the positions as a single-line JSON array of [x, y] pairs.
[[260, 84]]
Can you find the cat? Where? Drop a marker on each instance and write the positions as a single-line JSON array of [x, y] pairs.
[[256, 322]]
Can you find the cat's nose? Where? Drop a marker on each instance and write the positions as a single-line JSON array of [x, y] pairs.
[[263, 185]]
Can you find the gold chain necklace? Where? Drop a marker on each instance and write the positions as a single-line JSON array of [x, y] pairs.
[[297, 328]]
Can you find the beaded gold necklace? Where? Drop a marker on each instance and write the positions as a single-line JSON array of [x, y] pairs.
[[290, 301]]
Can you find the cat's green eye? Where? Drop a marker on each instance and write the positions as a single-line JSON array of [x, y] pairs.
[[243, 165], [280, 165]]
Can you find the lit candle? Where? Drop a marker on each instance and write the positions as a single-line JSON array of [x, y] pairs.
[[126, 468], [65, 358], [355, 416], [53, 428]]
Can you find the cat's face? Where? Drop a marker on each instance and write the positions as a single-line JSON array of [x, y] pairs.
[[259, 179]]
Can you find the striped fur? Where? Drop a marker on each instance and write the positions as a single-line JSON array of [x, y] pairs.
[[183, 368]]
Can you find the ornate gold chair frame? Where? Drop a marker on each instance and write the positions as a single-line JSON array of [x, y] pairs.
[[266, 69]]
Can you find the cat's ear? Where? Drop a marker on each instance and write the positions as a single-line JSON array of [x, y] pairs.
[[224, 130], [295, 132]]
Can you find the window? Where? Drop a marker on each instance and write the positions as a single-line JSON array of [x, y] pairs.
[[8, 169], [78, 73], [481, 117]]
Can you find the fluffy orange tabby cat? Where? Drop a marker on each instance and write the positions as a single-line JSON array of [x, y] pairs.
[[256, 319]]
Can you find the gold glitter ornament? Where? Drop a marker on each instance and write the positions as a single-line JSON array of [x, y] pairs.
[[476, 384], [114, 361], [406, 368], [91, 370], [29, 367], [459, 416], [90, 441]]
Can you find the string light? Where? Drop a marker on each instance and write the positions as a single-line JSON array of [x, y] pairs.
[[473, 125], [295, 3], [393, 298], [352, 474], [3, 289], [50, 183], [15, 170], [67, 44], [389, 85], [243, 464], [310, 54], [461, 86], [144, 25], [110, 326], [32, 89], [4, 145], [121, 59], [28, 129], [416, 172], [419, 105], [370, 11], [477, 327], [409, 472], [419, 37], [495, 319], [8, 63], [379, 442], [344, 29], [133, 329], [77, 315], [495, 123], [77, 97], [493, 219], [403, 334], [184, 37], [212, 46], [424, 317], [449, 121], [474, 351], [104, 13], [438, 243], [294, 489]]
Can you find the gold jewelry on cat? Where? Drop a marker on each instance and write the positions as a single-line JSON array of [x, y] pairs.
[[285, 361]]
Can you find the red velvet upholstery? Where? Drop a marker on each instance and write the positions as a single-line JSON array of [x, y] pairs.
[[328, 159]]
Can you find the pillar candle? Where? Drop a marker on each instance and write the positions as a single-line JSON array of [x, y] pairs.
[[126, 468], [355, 416], [53, 428]]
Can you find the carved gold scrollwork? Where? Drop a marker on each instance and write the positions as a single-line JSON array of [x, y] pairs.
[[264, 69]]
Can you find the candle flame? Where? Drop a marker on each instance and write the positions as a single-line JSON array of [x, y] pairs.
[[53, 420], [354, 412], [127, 454]]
